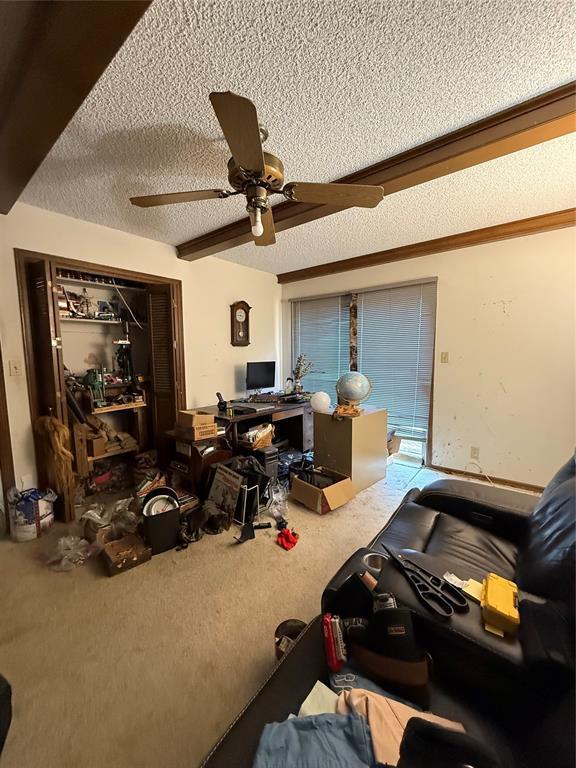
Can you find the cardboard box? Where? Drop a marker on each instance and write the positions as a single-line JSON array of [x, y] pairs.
[[193, 418], [323, 500], [96, 445], [126, 553], [204, 431], [97, 534]]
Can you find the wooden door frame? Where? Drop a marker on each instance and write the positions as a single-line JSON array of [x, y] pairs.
[[23, 256], [6, 456]]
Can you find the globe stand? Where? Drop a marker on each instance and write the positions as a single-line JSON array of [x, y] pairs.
[[345, 410]]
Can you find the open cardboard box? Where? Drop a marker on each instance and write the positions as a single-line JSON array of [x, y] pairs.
[[193, 418], [323, 500]]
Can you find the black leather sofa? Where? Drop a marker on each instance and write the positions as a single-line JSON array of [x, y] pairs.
[[519, 703]]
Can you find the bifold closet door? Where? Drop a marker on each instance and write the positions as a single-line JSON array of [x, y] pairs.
[[44, 362], [163, 357], [47, 371]]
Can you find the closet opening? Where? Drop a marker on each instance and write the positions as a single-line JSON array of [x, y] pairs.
[[103, 352]]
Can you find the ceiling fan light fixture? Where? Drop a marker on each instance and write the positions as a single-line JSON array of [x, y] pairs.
[[257, 174], [256, 222]]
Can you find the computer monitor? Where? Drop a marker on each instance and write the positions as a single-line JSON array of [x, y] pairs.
[[260, 375]]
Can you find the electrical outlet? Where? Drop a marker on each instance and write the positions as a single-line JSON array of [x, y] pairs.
[[475, 453], [15, 367], [444, 357]]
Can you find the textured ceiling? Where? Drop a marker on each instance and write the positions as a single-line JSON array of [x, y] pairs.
[[340, 84], [537, 180]]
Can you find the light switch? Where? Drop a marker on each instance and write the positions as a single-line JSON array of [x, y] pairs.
[[443, 357], [15, 367]]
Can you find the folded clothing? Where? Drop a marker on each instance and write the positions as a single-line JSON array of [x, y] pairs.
[[316, 741], [387, 719]]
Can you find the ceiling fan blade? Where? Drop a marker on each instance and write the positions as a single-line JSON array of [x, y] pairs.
[[239, 122], [269, 235], [340, 195], [146, 201]]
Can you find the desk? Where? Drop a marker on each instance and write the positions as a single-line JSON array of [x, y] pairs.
[[295, 423]]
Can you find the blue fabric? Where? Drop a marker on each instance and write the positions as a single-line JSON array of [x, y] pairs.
[[317, 741]]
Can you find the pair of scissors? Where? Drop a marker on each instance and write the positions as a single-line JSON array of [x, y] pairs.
[[435, 593]]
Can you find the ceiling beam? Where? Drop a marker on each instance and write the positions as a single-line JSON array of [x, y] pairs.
[[519, 228], [52, 54], [540, 119]]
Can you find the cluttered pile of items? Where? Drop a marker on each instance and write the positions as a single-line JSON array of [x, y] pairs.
[[170, 507], [374, 710]]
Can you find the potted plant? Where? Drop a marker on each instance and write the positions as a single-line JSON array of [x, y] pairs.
[[302, 367]]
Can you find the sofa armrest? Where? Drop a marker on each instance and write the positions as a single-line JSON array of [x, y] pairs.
[[5, 710], [501, 511], [281, 694]]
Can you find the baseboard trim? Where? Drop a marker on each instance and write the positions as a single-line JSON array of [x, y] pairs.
[[478, 476]]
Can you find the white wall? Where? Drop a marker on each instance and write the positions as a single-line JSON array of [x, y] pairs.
[[506, 317], [209, 286]]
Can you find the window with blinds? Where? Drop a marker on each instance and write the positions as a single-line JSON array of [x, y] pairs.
[[395, 344], [321, 331], [395, 350]]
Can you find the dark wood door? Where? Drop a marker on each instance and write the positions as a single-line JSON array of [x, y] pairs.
[[48, 371], [45, 366], [164, 357]]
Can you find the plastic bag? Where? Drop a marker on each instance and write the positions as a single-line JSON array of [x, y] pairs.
[[279, 501], [120, 518], [124, 520], [71, 551]]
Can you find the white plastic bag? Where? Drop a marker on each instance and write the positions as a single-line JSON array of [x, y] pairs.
[[71, 551]]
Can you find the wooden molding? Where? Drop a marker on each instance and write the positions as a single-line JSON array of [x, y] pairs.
[[478, 476], [53, 54], [6, 458], [89, 266], [540, 119], [519, 228]]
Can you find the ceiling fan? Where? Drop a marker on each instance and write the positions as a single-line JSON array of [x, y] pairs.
[[258, 174]]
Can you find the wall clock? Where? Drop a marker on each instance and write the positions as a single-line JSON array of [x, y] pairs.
[[240, 324]]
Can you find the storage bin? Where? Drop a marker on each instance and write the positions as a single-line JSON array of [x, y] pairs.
[[161, 529], [31, 513]]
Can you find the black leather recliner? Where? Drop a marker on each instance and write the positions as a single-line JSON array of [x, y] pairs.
[[470, 530], [522, 709]]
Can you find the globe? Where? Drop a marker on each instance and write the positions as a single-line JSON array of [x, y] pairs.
[[352, 388]]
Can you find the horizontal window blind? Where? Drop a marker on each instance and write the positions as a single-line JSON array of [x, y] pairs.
[[321, 331], [395, 350]]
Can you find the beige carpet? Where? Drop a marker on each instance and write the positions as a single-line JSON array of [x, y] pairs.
[[147, 668]]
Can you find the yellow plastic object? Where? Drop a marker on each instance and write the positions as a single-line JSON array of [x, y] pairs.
[[499, 602], [474, 589]]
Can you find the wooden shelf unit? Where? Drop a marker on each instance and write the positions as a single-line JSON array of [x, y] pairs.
[[100, 322], [119, 407], [97, 284], [111, 454]]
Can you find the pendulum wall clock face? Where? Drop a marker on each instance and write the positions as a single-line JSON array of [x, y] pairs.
[[240, 324]]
